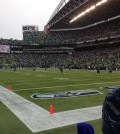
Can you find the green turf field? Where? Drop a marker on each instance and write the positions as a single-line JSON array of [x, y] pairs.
[[26, 82]]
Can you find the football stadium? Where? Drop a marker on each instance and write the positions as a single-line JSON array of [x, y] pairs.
[[56, 78]]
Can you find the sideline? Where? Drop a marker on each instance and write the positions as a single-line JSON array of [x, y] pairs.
[[38, 119]]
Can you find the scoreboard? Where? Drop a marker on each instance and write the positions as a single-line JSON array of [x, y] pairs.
[[4, 48], [30, 28]]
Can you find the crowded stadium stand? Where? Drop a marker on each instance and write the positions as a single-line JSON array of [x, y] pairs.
[[81, 34]]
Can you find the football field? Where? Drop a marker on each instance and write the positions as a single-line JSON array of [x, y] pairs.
[[26, 83]]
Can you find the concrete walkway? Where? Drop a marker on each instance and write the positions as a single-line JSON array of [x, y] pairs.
[[38, 119]]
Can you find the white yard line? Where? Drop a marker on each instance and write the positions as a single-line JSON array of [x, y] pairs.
[[37, 119], [38, 83], [64, 86]]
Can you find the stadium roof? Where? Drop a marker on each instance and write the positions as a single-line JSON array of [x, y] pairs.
[[68, 9]]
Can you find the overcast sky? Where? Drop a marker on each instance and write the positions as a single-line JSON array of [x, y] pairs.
[[16, 13]]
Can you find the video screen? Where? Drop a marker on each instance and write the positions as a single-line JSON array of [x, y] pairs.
[[4, 48]]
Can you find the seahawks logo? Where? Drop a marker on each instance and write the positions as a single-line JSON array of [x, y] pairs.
[[111, 87], [65, 94]]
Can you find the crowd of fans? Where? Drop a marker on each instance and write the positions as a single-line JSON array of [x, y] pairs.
[[11, 42], [105, 29], [84, 59]]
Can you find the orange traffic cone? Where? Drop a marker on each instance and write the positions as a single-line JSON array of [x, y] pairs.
[[10, 88], [51, 109]]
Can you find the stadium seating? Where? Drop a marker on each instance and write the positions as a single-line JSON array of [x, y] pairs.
[[84, 59]]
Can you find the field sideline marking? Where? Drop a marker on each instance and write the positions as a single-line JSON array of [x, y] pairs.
[[21, 82], [38, 119], [63, 86], [29, 83], [48, 82]]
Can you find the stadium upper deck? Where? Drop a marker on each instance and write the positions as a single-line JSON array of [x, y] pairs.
[[98, 27], [62, 15]]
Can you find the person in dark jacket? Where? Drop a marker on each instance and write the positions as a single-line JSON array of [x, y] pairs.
[[111, 112]]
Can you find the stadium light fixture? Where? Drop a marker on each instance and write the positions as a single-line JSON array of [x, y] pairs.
[[100, 3], [88, 10], [92, 7], [78, 16], [83, 13], [103, 1]]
